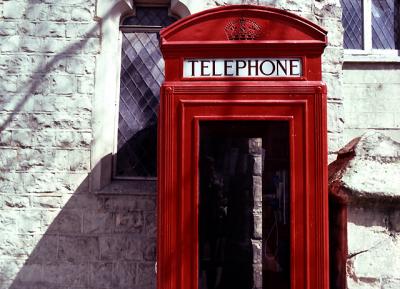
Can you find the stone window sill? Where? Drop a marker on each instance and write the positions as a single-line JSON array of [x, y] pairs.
[[376, 56]]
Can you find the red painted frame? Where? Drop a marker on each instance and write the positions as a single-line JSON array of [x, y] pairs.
[[186, 102]]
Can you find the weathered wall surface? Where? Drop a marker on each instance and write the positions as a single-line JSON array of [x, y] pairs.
[[56, 232], [371, 98], [367, 173]]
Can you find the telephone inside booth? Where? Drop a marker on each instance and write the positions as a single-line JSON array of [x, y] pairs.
[[244, 228]]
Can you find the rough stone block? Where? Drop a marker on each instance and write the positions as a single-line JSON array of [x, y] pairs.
[[257, 188], [86, 45], [8, 28], [22, 138], [59, 13], [63, 84], [332, 59], [120, 247], [79, 160], [363, 284], [45, 250], [30, 273], [334, 85], [391, 283], [49, 29], [255, 145], [67, 222], [83, 30], [66, 274], [37, 11], [335, 142], [56, 45], [124, 274], [81, 65], [5, 138], [149, 250], [14, 201], [81, 14], [257, 251], [131, 222], [16, 245], [46, 202], [258, 165], [101, 275], [29, 221], [13, 10], [7, 159], [10, 43], [257, 275], [86, 85], [78, 248], [82, 201], [146, 275], [381, 261], [335, 117], [32, 44], [127, 203], [98, 222], [65, 139], [257, 226], [335, 30]]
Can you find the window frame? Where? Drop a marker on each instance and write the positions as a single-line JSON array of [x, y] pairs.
[[369, 54], [130, 29]]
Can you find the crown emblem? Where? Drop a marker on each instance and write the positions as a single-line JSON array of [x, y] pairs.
[[242, 29]]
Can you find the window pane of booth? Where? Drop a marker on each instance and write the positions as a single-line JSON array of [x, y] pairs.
[[244, 205]]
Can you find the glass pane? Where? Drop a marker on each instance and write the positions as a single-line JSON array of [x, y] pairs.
[[142, 73], [244, 211], [352, 20], [385, 24]]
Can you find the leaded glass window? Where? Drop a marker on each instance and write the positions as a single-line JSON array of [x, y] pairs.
[[352, 20], [385, 24], [371, 24], [142, 73]]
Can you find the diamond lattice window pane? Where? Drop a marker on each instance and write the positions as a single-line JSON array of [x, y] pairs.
[[142, 73], [385, 24], [352, 20]]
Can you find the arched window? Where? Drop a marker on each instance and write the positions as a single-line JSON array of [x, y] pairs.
[[142, 73]]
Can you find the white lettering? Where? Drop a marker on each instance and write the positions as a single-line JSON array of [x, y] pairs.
[[242, 67]]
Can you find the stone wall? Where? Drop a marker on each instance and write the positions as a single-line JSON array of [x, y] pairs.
[[58, 81], [371, 98], [366, 172]]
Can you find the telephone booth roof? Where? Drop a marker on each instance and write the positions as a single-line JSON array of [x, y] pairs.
[[245, 27]]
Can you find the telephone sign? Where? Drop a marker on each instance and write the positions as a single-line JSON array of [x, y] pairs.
[[242, 67]]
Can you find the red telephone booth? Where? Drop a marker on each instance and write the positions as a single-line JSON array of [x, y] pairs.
[[242, 190]]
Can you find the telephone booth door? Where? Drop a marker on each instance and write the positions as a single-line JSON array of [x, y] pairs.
[[242, 190]]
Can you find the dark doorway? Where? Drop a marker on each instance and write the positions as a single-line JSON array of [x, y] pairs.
[[244, 210]]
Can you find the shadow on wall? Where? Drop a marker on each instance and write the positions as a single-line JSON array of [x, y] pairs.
[[93, 242], [55, 232]]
